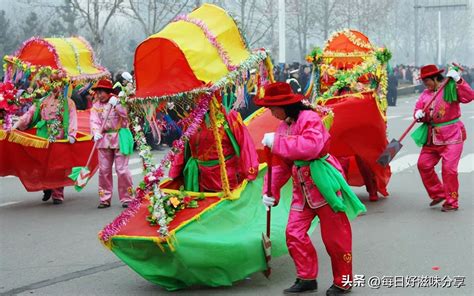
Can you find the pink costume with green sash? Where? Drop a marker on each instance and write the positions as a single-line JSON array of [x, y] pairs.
[[443, 140], [110, 151], [48, 111], [303, 147], [199, 164]]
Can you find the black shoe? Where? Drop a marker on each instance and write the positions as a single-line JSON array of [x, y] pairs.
[[449, 209], [57, 201], [336, 291], [103, 205], [302, 286], [47, 194], [436, 201], [125, 205]]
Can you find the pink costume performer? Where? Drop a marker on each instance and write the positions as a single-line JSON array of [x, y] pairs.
[[110, 145], [43, 116], [199, 164], [302, 143], [444, 138]]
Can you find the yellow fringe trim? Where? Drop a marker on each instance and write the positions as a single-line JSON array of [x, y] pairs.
[[28, 140], [3, 134], [254, 115], [220, 152], [269, 66]]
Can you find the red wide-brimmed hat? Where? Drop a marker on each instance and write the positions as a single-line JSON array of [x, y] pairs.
[[429, 70], [104, 84], [278, 94]]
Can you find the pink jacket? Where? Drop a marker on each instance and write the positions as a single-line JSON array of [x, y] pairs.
[[441, 111], [203, 148], [117, 119], [49, 107], [306, 139]]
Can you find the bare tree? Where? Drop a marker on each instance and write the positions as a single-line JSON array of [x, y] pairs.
[[152, 15], [97, 15], [326, 17], [368, 16], [253, 19], [301, 22]]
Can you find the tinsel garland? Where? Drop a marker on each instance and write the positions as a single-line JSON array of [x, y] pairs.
[[224, 55], [82, 77], [251, 62], [214, 110], [76, 55], [352, 38]]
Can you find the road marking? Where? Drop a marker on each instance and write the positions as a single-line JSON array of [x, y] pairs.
[[134, 160], [408, 118], [466, 165], [393, 116], [403, 163], [9, 203], [471, 117], [64, 278]]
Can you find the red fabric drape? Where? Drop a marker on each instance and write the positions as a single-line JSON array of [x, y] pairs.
[[40, 168], [359, 129]]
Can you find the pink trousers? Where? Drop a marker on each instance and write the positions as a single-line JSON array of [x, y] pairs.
[[337, 238], [58, 193], [449, 155], [106, 160]]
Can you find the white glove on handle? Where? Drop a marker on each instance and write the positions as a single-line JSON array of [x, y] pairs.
[[71, 139], [268, 201], [454, 75], [268, 139], [97, 137], [419, 114], [113, 101]]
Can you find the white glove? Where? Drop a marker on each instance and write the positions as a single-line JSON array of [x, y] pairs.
[[454, 75], [71, 139], [97, 137], [268, 201], [15, 125], [268, 139], [113, 101], [419, 114]]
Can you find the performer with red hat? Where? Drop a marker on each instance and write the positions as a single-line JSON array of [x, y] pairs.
[[319, 189], [444, 134], [115, 143]]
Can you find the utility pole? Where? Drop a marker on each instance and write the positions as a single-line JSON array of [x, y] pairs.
[[281, 32], [417, 37], [441, 5]]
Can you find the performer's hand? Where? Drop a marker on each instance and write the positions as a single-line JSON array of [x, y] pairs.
[[268, 139], [419, 114], [97, 137], [268, 201], [71, 139], [15, 125], [113, 101], [454, 75]]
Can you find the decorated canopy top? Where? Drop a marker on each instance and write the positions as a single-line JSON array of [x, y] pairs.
[[72, 55], [191, 53]]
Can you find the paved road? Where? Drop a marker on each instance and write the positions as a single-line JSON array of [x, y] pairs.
[[54, 250]]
